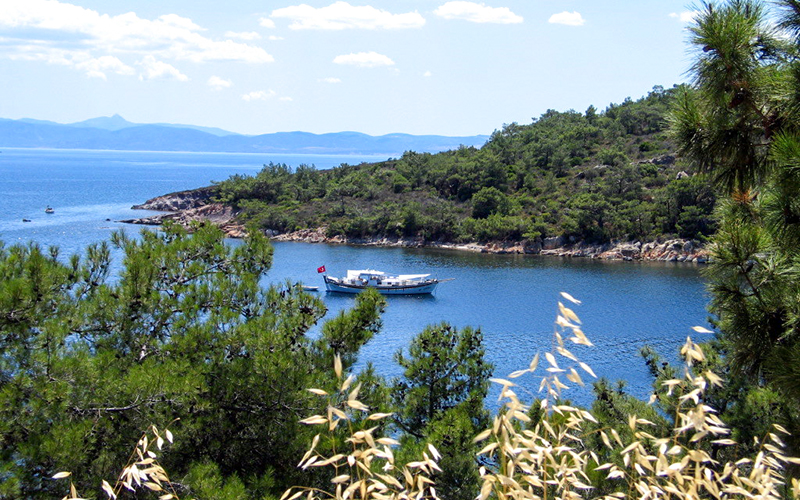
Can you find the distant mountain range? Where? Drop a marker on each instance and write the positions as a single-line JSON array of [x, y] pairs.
[[116, 133]]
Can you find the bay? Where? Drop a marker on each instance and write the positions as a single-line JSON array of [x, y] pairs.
[[513, 299]]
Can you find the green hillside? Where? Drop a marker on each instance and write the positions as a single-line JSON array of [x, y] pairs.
[[592, 176]]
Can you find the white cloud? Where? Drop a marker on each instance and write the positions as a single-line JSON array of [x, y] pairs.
[[259, 95], [227, 50], [97, 68], [266, 22], [218, 83], [427, 74], [686, 16], [49, 55], [342, 15], [330, 80], [63, 33], [177, 21], [477, 13], [568, 18], [273, 37], [286, 99], [159, 70], [246, 35], [364, 60]]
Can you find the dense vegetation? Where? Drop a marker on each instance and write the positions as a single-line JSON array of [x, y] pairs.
[[739, 122], [592, 176], [90, 361]]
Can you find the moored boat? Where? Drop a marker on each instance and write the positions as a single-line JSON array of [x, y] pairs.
[[385, 283]]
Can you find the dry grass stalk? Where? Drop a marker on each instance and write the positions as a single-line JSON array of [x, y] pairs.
[[142, 472], [551, 461], [367, 469]]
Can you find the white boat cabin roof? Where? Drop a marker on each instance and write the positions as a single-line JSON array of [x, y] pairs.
[[353, 274]]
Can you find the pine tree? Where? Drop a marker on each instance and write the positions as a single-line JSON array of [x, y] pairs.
[[439, 400], [90, 358], [739, 122]]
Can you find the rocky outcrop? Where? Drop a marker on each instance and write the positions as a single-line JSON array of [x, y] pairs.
[[189, 207], [677, 250], [553, 242], [659, 160], [181, 200], [214, 213]]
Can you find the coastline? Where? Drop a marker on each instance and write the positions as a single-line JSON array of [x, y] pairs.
[[672, 250], [192, 206]]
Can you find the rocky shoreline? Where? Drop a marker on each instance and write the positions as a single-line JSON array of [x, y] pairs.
[[674, 250], [186, 207]]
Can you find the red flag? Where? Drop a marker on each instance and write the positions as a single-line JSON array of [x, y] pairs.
[[321, 269]]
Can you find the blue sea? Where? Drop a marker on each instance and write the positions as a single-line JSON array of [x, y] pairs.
[[512, 299]]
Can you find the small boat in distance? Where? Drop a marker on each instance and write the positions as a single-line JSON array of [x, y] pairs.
[[384, 283], [49, 210]]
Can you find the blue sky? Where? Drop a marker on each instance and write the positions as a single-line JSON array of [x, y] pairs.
[[372, 66]]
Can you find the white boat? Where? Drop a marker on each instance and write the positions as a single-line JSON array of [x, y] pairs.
[[385, 283], [49, 210]]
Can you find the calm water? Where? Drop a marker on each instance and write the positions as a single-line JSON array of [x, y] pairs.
[[87, 187], [513, 299]]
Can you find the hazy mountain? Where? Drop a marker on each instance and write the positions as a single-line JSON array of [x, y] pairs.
[[37, 122], [116, 133], [117, 122]]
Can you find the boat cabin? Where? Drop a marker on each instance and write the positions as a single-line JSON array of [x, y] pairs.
[[369, 277]]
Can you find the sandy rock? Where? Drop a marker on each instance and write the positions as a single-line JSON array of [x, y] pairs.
[[181, 200], [553, 242], [660, 160], [189, 207]]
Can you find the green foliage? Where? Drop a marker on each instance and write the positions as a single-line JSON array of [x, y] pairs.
[[208, 482], [738, 122], [445, 368], [622, 449], [185, 330], [439, 400], [488, 201], [524, 173], [722, 121], [345, 334], [452, 434]]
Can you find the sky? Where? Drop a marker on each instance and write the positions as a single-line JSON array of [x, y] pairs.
[[455, 68]]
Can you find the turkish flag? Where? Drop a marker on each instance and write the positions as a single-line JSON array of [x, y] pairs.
[[321, 269]]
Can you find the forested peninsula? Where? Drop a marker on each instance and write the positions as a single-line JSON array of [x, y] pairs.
[[598, 183]]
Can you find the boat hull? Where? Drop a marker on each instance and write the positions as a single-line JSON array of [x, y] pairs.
[[420, 289]]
